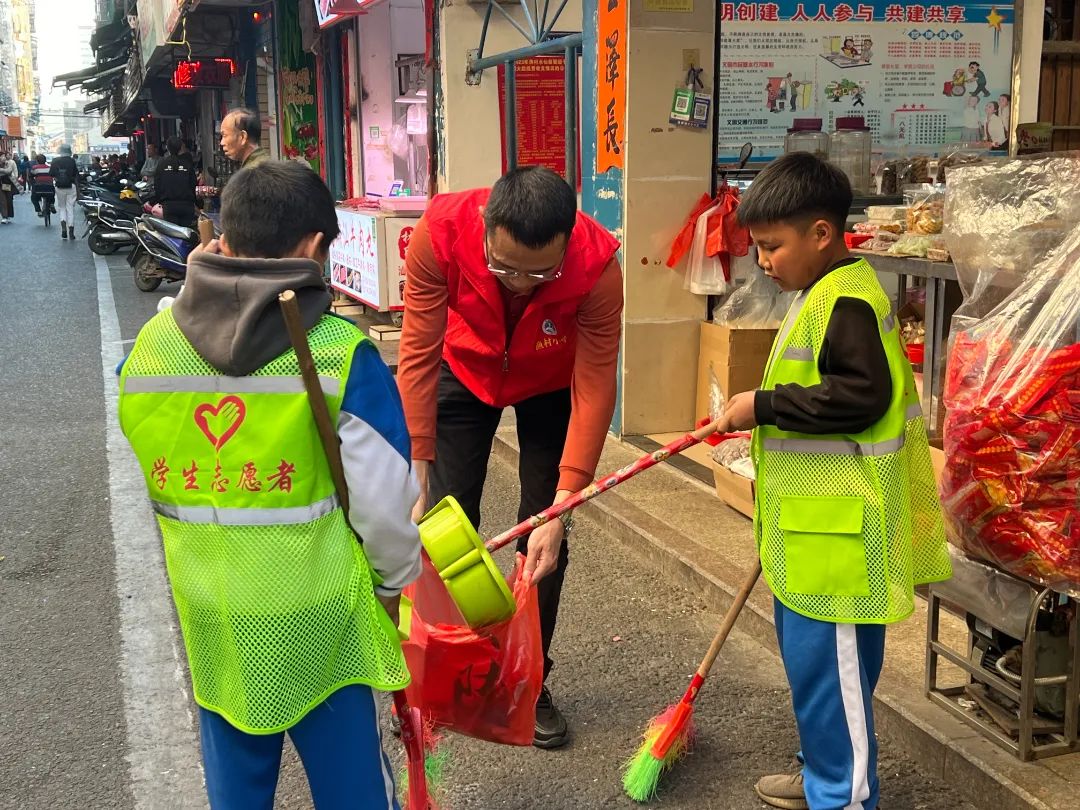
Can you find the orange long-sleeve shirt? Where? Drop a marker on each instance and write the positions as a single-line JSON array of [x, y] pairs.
[[592, 390]]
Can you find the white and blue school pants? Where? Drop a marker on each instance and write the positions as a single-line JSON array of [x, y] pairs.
[[339, 742], [833, 670]]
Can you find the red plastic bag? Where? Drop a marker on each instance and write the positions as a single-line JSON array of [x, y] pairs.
[[481, 683]]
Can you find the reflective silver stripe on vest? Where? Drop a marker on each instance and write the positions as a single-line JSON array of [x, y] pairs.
[[289, 515], [840, 447], [888, 323], [795, 353], [913, 412], [226, 385]]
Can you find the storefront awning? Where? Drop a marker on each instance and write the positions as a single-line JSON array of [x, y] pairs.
[[94, 74], [331, 12], [109, 33], [97, 106]]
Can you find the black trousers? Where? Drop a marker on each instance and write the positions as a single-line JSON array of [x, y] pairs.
[[179, 213], [464, 432]]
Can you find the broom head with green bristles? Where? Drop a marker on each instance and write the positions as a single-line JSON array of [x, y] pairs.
[[668, 736], [671, 734]]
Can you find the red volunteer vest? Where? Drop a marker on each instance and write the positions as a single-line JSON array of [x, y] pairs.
[[539, 357]]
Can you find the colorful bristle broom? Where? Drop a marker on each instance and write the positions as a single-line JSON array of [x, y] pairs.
[[671, 733], [422, 760]]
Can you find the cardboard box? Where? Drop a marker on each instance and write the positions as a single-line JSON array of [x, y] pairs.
[[736, 356], [734, 490]]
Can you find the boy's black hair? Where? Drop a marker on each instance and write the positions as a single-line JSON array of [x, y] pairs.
[[797, 189], [173, 145], [533, 204], [267, 209]]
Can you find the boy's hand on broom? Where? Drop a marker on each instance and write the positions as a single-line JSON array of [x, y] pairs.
[[740, 411], [544, 544]]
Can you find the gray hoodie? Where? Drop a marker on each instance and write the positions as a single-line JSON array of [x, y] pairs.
[[229, 308], [229, 311]]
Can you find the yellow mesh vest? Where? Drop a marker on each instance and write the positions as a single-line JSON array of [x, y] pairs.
[[847, 525], [273, 592]]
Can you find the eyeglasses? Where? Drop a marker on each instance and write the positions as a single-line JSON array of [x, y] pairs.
[[544, 275]]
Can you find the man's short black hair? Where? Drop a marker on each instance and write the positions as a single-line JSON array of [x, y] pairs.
[[267, 209], [246, 120], [532, 204], [173, 145], [973, 64], [797, 189]]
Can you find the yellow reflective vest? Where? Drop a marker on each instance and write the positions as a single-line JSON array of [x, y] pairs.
[[273, 592], [847, 525]]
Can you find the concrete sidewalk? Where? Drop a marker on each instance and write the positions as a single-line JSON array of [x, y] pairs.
[[678, 524]]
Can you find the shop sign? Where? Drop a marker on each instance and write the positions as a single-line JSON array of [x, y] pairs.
[[204, 73], [354, 257], [331, 12], [157, 19], [920, 75], [299, 122], [540, 111], [611, 84]]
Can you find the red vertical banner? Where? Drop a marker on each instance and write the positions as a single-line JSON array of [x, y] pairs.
[[611, 84], [540, 111]]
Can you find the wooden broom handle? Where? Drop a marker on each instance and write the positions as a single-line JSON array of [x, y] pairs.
[[729, 620], [290, 310]]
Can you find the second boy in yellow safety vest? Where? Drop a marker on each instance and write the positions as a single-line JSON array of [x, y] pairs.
[[847, 517]]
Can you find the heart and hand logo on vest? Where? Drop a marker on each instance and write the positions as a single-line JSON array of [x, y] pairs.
[[220, 422]]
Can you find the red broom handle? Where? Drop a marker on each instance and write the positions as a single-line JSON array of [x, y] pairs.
[[604, 484]]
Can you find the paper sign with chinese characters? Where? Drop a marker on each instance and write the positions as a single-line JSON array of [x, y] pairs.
[[611, 81], [921, 75]]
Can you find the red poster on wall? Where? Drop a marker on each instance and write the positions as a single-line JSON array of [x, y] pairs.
[[540, 102]]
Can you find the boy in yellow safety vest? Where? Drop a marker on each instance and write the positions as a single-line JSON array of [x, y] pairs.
[[847, 518], [288, 622]]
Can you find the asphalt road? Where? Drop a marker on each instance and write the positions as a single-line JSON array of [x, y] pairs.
[[93, 708]]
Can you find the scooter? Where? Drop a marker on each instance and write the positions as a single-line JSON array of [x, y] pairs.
[[161, 253], [109, 227]]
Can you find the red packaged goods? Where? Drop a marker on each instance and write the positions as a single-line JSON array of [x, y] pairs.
[[1011, 485]]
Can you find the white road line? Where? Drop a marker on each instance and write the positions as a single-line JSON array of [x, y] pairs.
[[162, 746]]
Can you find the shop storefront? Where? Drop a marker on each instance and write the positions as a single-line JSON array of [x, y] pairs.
[[373, 121]]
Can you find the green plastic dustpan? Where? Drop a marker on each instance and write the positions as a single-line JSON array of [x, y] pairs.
[[466, 568]]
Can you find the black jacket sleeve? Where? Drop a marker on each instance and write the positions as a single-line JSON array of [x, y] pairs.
[[856, 385]]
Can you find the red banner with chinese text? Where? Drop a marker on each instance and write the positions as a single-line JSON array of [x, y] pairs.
[[611, 84], [540, 111]]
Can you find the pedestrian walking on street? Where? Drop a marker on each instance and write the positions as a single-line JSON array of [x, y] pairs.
[[174, 186], [848, 521], [513, 298], [241, 131], [288, 622], [65, 172], [9, 178]]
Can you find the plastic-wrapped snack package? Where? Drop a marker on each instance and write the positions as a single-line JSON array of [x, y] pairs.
[[1011, 485]]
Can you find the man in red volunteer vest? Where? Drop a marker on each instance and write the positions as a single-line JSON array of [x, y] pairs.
[[512, 298]]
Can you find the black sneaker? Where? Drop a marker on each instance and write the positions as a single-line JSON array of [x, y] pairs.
[[63, 230], [550, 731]]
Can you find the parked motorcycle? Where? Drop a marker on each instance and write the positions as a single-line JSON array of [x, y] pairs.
[[161, 252], [110, 218]]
